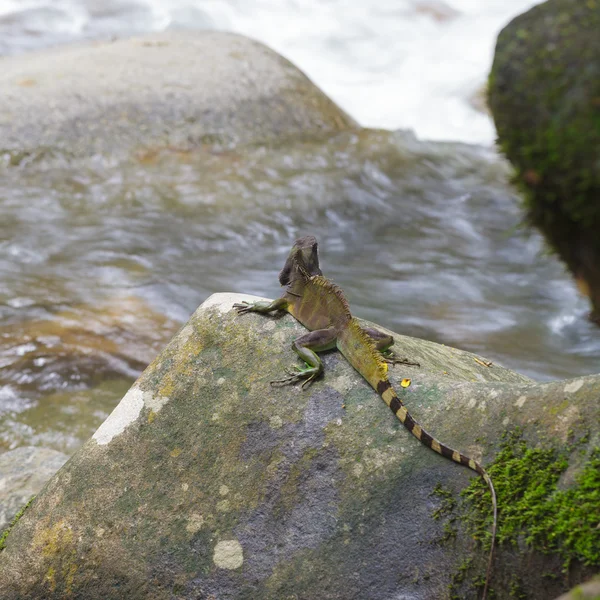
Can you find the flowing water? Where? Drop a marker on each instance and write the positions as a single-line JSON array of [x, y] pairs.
[[100, 263]]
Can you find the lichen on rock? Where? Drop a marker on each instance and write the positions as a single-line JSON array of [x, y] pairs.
[[211, 481]]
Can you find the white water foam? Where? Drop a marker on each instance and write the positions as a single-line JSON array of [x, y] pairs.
[[414, 64]]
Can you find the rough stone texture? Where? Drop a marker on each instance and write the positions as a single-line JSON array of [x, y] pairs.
[[586, 591], [544, 92], [207, 482], [23, 472], [173, 89]]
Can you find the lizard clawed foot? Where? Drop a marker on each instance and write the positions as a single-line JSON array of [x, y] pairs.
[[391, 359], [242, 308], [296, 377]]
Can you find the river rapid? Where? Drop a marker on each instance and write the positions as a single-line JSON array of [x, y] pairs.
[[410, 64], [101, 262]]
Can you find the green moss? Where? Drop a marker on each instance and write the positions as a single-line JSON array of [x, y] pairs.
[[516, 589], [445, 509], [580, 593], [5, 533], [544, 92], [458, 578], [533, 510], [448, 502]]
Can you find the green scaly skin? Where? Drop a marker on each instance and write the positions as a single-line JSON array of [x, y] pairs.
[[321, 307]]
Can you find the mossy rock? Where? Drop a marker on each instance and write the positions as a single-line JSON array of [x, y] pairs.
[[206, 481], [587, 591], [544, 93]]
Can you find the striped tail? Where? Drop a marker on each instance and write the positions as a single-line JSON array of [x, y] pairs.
[[387, 392], [362, 354]]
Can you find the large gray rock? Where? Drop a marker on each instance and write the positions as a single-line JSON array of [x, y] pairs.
[[23, 472], [175, 90], [208, 482], [544, 92], [588, 591]]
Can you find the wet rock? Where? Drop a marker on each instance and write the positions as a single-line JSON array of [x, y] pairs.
[[23, 473], [177, 89], [586, 591], [208, 482], [544, 92]]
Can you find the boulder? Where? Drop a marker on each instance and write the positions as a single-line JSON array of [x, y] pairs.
[[23, 472], [544, 93], [176, 89], [206, 481], [586, 591]]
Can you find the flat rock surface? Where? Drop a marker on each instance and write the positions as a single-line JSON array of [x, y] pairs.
[[172, 89]]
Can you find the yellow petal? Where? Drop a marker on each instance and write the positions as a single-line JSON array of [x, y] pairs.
[[405, 383]]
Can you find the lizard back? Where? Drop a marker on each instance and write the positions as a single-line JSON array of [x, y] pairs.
[[321, 304]]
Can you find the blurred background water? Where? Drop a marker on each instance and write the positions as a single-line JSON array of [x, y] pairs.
[[100, 263], [416, 64]]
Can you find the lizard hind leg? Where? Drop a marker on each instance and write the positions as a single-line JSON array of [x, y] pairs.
[[306, 347], [383, 342]]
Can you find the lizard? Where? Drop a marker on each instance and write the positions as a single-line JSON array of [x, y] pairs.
[[320, 305]]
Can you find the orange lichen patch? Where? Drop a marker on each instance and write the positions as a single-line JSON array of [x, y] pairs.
[[583, 286], [53, 540], [171, 379], [149, 156], [183, 154], [69, 576], [27, 82], [155, 44], [56, 545], [532, 177], [51, 579]]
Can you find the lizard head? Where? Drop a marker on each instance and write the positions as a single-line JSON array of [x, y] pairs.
[[303, 259]]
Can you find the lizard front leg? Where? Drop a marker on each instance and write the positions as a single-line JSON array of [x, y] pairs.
[[261, 306], [383, 342], [306, 347]]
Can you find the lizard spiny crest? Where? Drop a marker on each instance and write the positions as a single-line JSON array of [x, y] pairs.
[[328, 286], [367, 342]]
